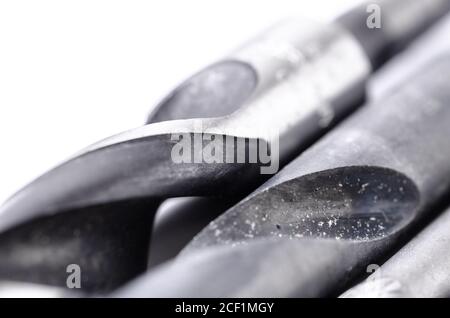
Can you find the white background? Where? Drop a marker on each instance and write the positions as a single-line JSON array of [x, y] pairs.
[[74, 72]]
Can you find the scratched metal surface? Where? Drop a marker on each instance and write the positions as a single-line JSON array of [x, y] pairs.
[[336, 208], [420, 269], [388, 177], [87, 198], [282, 259]]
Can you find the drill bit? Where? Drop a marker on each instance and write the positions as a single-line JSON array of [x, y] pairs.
[[344, 203], [166, 240], [314, 75], [420, 269]]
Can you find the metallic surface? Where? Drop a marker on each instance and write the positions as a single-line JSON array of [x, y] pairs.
[[138, 163], [96, 209], [132, 172], [420, 269], [399, 21], [171, 232], [341, 205]]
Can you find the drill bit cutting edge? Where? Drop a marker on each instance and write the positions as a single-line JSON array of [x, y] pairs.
[[336, 208], [329, 188]]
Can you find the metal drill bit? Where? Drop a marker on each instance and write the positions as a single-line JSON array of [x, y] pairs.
[[166, 240], [341, 205], [138, 163], [313, 75], [130, 173], [178, 220], [420, 269]]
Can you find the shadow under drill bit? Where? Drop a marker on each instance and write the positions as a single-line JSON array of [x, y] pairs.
[[178, 220], [104, 241]]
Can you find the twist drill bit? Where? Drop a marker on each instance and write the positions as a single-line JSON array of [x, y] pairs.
[[313, 75], [342, 204], [175, 226], [185, 218], [420, 269]]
